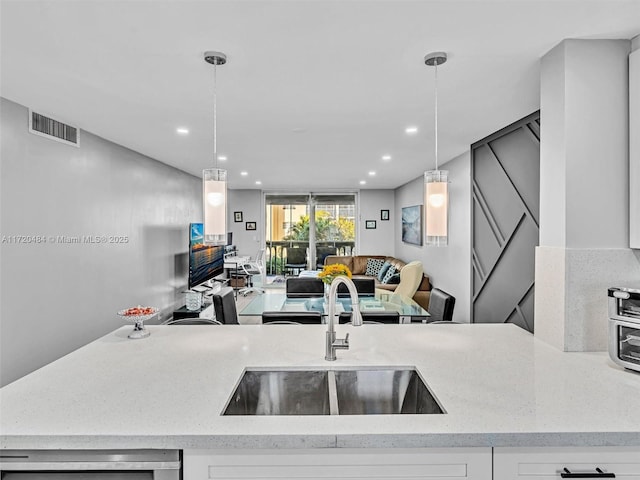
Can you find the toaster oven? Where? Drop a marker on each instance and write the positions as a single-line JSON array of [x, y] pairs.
[[624, 327]]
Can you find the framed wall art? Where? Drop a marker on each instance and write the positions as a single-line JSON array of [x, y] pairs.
[[412, 225]]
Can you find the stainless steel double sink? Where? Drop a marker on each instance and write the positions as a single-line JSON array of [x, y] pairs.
[[361, 391]]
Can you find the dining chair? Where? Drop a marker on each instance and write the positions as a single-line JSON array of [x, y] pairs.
[[224, 305], [388, 317], [296, 260], [322, 253], [307, 318], [366, 287], [251, 269], [192, 321], [441, 306], [365, 322], [304, 287], [282, 322]]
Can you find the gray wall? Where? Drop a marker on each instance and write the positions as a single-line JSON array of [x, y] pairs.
[[448, 267], [378, 241], [55, 296], [249, 202], [584, 165]]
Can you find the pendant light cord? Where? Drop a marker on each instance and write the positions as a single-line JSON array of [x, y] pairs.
[[215, 114], [436, 113]]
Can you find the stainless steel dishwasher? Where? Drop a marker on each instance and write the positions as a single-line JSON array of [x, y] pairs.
[[90, 465]]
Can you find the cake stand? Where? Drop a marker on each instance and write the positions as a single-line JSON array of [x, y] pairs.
[[138, 323]]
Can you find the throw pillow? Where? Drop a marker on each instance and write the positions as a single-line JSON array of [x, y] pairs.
[[393, 279], [383, 270], [390, 273], [373, 266]]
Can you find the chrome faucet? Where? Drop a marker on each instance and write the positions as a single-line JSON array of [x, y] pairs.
[[333, 343]]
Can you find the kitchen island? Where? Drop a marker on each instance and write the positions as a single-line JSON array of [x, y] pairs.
[[499, 387]]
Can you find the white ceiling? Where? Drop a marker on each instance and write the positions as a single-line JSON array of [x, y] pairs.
[[314, 92]]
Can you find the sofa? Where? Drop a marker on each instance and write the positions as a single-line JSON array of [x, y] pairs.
[[358, 266]]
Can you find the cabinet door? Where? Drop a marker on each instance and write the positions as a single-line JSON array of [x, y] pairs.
[[549, 463], [339, 463], [634, 149]]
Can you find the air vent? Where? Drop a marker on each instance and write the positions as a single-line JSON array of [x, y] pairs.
[[53, 129]]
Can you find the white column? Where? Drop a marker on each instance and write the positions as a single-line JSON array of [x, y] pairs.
[[584, 191], [634, 143]]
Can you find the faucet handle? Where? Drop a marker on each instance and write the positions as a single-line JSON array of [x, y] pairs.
[[346, 340]]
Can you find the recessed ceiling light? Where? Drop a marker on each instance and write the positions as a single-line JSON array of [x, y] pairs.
[[222, 158], [372, 173], [411, 130], [182, 131], [244, 174], [386, 158], [363, 182], [258, 182]]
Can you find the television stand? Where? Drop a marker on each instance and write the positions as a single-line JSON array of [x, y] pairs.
[[211, 286], [205, 311]]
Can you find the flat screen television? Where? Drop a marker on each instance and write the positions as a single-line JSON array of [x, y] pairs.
[[205, 261]]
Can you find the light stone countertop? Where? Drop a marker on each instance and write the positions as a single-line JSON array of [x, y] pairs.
[[498, 384]]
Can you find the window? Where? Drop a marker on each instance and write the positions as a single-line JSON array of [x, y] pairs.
[[289, 225]]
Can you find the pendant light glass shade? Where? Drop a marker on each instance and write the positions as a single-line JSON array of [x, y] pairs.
[[437, 206], [214, 180], [436, 182], [214, 194]]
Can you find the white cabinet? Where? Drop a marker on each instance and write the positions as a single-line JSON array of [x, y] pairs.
[[549, 463], [339, 463], [634, 148], [539, 463]]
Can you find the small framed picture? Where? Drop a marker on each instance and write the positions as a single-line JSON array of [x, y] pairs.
[[250, 225], [384, 214], [237, 217], [370, 224]]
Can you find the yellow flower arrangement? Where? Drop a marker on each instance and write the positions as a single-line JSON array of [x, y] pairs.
[[329, 272]]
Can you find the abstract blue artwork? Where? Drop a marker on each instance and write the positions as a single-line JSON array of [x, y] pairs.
[[412, 224]]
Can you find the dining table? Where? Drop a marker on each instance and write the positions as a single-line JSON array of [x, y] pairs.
[[409, 311]]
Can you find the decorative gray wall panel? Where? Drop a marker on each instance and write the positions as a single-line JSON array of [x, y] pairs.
[[492, 188], [505, 169]]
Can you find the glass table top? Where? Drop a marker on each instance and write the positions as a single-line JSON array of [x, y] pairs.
[[269, 302]]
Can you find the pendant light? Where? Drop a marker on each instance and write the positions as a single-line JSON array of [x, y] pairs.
[[214, 180], [436, 181]]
